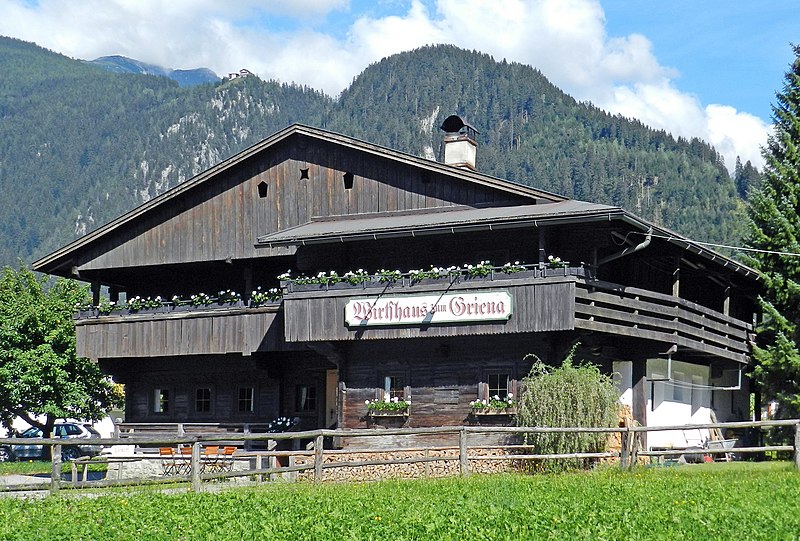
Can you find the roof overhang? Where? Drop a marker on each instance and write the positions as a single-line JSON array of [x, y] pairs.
[[435, 221], [387, 225]]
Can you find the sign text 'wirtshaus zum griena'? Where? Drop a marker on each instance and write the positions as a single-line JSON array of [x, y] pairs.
[[427, 309]]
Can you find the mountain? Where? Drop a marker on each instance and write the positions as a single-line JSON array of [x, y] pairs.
[[122, 64], [81, 145]]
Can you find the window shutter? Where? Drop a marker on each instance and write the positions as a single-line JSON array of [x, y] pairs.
[[483, 391]]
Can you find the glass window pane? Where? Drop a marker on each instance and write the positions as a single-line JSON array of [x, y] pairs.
[[202, 400], [246, 399], [161, 400], [306, 396], [498, 385], [394, 386]]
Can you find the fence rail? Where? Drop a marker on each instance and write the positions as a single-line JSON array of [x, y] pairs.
[[315, 460]]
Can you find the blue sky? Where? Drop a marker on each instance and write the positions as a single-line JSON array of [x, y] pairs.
[[733, 52], [705, 68]]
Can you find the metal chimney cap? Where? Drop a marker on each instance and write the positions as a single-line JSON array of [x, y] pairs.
[[454, 124]]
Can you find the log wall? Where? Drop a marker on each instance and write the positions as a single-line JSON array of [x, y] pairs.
[[221, 217], [182, 376]]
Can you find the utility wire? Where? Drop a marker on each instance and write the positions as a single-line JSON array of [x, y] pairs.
[[740, 248]]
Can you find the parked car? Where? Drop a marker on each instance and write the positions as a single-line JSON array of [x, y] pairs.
[[68, 430]]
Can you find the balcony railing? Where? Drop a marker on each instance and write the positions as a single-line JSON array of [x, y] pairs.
[[628, 311]]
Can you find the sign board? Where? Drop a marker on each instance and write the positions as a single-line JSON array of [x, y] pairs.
[[462, 307]]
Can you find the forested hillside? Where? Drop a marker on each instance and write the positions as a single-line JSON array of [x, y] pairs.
[[80, 145], [531, 132]]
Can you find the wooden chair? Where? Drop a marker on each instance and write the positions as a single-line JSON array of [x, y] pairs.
[[227, 458], [211, 459], [184, 461], [169, 463]]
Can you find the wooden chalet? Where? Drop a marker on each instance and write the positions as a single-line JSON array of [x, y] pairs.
[[670, 318]]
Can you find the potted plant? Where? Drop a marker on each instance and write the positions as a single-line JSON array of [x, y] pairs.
[[388, 407], [494, 405]]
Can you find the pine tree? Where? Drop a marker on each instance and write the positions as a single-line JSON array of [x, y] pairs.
[[774, 213]]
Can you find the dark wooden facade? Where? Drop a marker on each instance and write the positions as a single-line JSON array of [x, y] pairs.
[[627, 295]]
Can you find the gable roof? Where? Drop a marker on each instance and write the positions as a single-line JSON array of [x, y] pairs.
[[57, 259]]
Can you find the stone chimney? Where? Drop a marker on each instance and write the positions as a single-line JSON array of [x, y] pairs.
[[460, 147]]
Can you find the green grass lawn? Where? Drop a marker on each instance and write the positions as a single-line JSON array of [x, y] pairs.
[[33, 467], [28, 467], [714, 501]]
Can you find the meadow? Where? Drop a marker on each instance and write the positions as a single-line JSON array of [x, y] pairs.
[[710, 501]]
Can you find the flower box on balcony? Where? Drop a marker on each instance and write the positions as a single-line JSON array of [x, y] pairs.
[[388, 413], [494, 412]]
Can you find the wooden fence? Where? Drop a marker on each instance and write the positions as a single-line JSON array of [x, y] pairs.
[[314, 459]]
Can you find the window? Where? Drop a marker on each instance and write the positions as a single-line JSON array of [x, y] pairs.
[[202, 400], [73, 430], [263, 188], [348, 181], [32, 432], [161, 400], [498, 385], [394, 387], [679, 387], [246, 399], [306, 398]]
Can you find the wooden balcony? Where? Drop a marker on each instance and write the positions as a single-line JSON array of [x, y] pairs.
[[627, 311], [562, 300], [240, 329]]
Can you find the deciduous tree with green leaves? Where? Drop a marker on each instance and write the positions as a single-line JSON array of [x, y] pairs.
[[41, 377], [774, 227]]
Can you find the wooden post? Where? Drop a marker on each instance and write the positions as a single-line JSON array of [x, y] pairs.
[[318, 444], [95, 293], [55, 471], [726, 304], [623, 448], [463, 462], [273, 460], [196, 485], [676, 280], [248, 279], [797, 446], [259, 477], [635, 440]]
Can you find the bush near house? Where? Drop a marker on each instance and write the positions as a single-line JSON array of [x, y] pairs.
[[567, 396]]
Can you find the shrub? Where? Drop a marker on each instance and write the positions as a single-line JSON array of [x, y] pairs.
[[567, 396]]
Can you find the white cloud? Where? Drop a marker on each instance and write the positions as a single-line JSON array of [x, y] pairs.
[[735, 133], [302, 8], [565, 39], [661, 106]]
